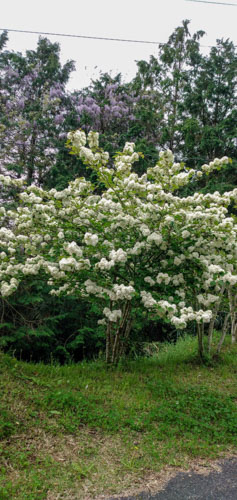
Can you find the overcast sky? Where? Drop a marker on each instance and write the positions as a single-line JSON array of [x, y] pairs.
[[152, 20]]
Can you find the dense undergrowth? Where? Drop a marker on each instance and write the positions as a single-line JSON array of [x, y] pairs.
[[71, 431]]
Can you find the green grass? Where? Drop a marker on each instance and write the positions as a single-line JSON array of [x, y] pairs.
[[69, 432]]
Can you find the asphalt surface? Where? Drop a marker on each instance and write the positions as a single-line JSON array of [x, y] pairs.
[[217, 485]]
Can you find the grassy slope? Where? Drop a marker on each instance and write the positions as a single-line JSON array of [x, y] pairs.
[[77, 431]]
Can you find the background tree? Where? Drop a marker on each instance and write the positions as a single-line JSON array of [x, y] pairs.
[[209, 124], [34, 109], [162, 81], [190, 103]]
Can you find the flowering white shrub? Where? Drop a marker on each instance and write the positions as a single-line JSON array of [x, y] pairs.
[[138, 244]]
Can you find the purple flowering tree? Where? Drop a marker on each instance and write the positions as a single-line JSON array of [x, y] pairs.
[[108, 107], [34, 111]]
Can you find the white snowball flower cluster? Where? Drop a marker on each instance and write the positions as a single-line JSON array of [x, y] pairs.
[[93, 139], [148, 301], [6, 234], [204, 316], [166, 157], [155, 237], [78, 138], [188, 314], [87, 155], [91, 239], [118, 255], [55, 271], [208, 300], [104, 264], [67, 264], [71, 264], [7, 289], [167, 307], [182, 179], [163, 278], [7, 181], [122, 292], [129, 147], [217, 162], [144, 230], [113, 315], [178, 322], [73, 249], [230, 278], [185, 234]]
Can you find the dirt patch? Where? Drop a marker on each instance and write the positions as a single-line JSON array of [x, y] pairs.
[[155, 483]]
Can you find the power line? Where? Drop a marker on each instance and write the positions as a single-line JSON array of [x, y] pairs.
[[95, 37], [216, 3], [82, 36]]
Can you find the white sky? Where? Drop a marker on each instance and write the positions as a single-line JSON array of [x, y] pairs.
[[151, 20]]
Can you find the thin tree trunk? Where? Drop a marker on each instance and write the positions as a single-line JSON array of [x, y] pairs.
[[224, 330], [212, 322], [108, 343], [233, 314], [120, 334], [126, 335]]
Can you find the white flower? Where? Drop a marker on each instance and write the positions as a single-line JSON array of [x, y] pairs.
[[215, 269], [185, 234], [144, 230], [105, 264], [78, 138], [67, 264], [179, 323], [73, 248], [93, 139], [149, 280], [47, 237], [230, 278], [156, 237], [147, 299], [121, 292], [113, 315], [86, 154], [163, 277], [91, 239], [129, 147], [118, 255], [101, 321]]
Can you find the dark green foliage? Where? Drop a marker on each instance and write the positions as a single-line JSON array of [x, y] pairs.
[[3, 39], [190, 103], [36, 326]]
